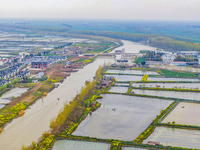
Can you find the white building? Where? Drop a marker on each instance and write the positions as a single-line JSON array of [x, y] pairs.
[[2, 62], [178, 63], [168, 57]]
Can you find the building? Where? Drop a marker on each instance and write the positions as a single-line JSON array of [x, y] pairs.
[[168, 57], [40, 64], [60, 58], [40, 75], [23, 74], [120, 52], [108, 78], [23, 54], [178, 63], [193, 54], [2, 62]]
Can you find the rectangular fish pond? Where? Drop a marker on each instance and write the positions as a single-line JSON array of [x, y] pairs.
[[175, 137], [121, 84], [138, 78], [173, 94], [168, 85], [79, 145], [185, 113], [118, 89], [7, 97], [134, 148], [126, 77], [139, 72], [121, 117]]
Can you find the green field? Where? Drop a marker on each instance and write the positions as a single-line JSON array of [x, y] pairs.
[[177, 74]]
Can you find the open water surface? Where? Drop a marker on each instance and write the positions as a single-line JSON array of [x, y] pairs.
[[121, 117], [175, 137], [79, 145], [173, 94]]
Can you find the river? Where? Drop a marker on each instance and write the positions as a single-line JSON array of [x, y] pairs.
[[35, 121], [133, 47]]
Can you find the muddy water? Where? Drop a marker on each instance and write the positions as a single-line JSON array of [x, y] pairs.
[[118, 89], [121, 117], [79, 145], [133, 47], [16, 92], [175, 137], [181, 95], [185, 113], [36, 119]]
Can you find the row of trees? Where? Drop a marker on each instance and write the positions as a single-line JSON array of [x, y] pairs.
[[158, 41]]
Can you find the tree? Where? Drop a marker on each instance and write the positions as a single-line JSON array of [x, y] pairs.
[[158, 58], [179, 58]]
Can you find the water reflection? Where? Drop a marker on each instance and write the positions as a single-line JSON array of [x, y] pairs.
[[121, 117], [185, 113], [175, 137], [79, 145], [174, 94], [35, 121]]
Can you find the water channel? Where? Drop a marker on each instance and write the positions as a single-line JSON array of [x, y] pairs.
[[133, 47], [35, 121]]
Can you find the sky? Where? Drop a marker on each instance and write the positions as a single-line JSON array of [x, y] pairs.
[[102, 9]]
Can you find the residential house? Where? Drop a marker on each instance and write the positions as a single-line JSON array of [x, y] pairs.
[[40, 64], [167, 58], [2, 62], [108, 78], [40, 75], [178, 63]]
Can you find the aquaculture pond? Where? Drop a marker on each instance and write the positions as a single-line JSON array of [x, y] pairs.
[[134, 148], [171, 79], [121, 117], [185, 113], [179, 68], [126, 77], [169, 85], [139, 72], [174, 94], [79, 145], [118, 89], [138, 78], [35, 121], [175, 137], [13, 93], [121, 84]]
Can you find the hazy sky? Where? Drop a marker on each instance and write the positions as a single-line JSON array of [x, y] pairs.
[[102, 9]]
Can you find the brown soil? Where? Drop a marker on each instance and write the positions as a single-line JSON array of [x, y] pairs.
[[34, 71], [57, 70]]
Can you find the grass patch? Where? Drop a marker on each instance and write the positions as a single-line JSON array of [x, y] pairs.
[[178, 74]]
